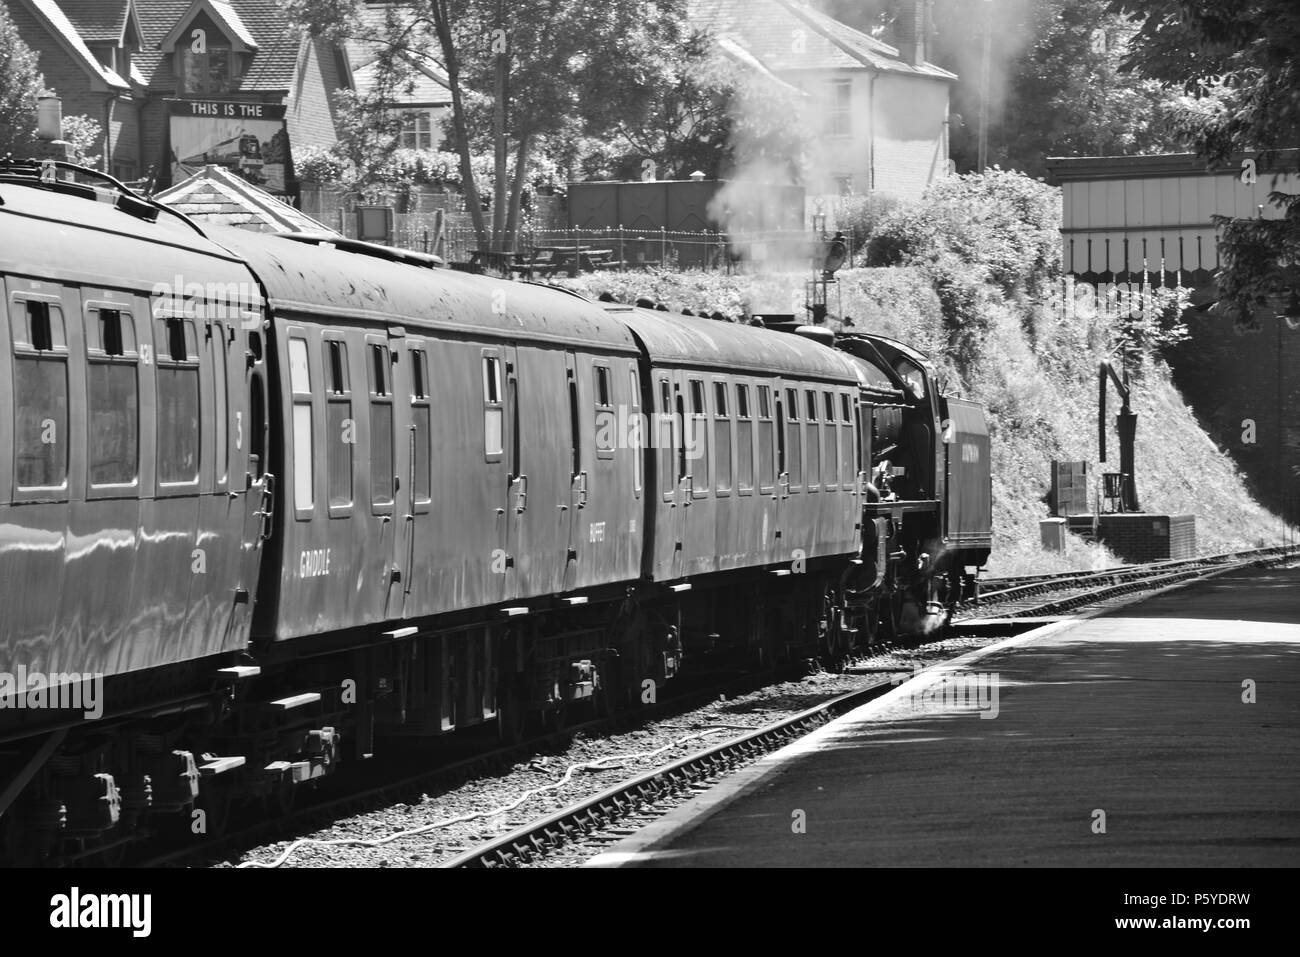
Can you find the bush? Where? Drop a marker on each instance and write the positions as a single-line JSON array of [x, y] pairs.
[[981, 238]]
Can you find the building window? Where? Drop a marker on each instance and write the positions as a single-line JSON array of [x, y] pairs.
[[839, 117], [417, 129], [208, 72]]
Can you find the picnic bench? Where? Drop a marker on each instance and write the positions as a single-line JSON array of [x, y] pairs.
[[550, 260], [544, 261]]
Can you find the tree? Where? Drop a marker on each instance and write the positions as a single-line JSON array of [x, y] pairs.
[[519, 73], [1239, 63], [20, 85]]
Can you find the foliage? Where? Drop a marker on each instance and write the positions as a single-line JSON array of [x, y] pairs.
[[1237, 62], [20, 85], [858, 215], [980, 238], [82, 134]]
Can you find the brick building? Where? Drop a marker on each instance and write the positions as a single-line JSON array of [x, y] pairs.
[[180, 84]]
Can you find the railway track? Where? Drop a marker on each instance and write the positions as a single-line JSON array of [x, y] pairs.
[[1017, 597], [695, 771], [630, 801], [393, 786], [1058, 577], [619, 810]]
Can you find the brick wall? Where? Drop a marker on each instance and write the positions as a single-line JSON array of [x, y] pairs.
[[1149, 538], [69, 80]]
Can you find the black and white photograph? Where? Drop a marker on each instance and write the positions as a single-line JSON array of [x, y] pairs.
[[648, 435]]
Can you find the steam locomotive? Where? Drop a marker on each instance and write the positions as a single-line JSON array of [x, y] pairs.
[[270, 501]]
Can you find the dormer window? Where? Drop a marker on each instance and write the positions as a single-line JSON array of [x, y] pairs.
[[207, 72], [211, 46]]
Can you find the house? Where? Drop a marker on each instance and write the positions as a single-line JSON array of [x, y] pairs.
[[883, 109], [422, 100], [180, 84]]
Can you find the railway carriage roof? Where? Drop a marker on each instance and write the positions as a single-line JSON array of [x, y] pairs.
[[696, 341], [45, 233], [334, 284]]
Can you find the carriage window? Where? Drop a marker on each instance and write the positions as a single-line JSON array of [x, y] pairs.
[[493, 410], [178, 405], [793, 447], [379, 376], [637, 439], [830, 440], [604, 404], [744, 441], [766, 460], [696, 438], [112, 392], [421, 419], [220, 403], [340, 435], [667, 441], [381, 427], [721, 436], [40, 396], [300, 380], [336, 355], [602, 386], [109, 328], [848, 436], [814, 463]]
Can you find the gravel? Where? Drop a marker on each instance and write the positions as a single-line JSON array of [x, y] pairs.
[[444, 824]]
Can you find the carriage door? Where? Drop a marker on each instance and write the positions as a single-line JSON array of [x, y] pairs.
[[250, 430], [419, 488], [579, 474], [399, 390]]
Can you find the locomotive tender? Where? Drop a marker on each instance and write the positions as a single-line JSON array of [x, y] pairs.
[[269, 499]]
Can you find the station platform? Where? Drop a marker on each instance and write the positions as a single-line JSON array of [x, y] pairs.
[[1122, 740]]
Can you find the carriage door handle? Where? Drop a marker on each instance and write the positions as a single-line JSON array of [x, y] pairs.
[[521, 494], [582, 490], [267, 511]]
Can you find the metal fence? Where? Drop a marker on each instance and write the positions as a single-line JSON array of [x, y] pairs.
[[621, 248]]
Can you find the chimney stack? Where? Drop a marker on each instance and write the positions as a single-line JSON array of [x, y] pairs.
[[912, 32]]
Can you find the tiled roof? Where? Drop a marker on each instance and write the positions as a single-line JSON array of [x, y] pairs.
[[785, 35], [63, 28], [430, 84], [97, 21], [273, 63], [216, 195]]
